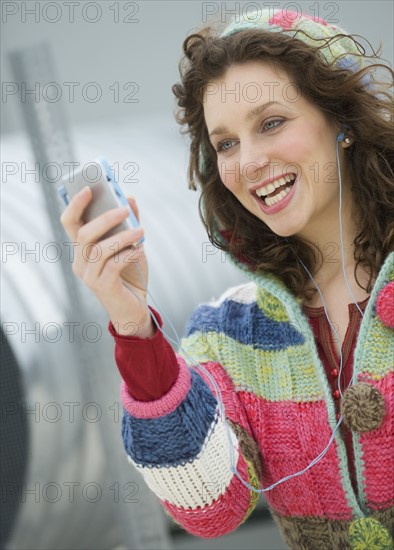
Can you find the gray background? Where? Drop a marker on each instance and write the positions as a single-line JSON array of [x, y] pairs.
[[109, 55], [145, 52]]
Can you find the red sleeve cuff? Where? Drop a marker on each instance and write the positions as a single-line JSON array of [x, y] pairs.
[[148, 366]]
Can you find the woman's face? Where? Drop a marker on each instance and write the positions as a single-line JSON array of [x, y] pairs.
[[272, 141]]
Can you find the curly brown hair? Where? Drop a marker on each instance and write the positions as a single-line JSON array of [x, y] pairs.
[[356, 99]]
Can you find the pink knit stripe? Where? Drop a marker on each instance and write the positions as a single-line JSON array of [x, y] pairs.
[[220, 517], [234, 409], [292, 435], [166, 404], [378, 452]]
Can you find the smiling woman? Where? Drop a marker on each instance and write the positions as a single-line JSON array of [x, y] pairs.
[[299, 83], [292, 150]]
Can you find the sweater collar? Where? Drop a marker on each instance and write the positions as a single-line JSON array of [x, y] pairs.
[[271, 283]]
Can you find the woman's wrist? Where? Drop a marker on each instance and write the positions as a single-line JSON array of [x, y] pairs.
[[141, 329]]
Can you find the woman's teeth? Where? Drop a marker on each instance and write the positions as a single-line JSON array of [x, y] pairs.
[[269, 201], [271, 188]]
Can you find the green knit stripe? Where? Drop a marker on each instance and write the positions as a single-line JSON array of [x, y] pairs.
[[197, 348], [271, 306], [359, 466], [376, 362], [371, 357], [283, 375], [253, 482], [374, 337]]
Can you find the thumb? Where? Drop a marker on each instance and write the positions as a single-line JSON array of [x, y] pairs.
[[133, 205]]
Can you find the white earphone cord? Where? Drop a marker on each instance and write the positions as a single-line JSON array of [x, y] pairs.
[[218, 395]]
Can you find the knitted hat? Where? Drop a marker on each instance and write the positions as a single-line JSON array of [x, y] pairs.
[[311, 30]]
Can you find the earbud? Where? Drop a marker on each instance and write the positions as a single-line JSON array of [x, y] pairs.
[[342, 136]]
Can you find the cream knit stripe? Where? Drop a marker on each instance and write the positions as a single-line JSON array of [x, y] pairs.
[[242, 294], [201, 481]]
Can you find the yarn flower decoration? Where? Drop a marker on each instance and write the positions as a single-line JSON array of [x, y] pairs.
[[385, 305], [369, 534], [286, 19]]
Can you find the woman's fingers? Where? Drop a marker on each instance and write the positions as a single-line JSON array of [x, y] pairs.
[[71, 218], [91, 232], [133, 205], [77, 230], [114, 268], [100, 262], [111, 271], [90, 258], [94, 230]]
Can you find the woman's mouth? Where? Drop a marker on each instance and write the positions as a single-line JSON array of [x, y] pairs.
[[277, 194]]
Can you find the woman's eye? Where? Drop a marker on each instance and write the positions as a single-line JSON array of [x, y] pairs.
[[273, 123], [224, 145], [227, 144]]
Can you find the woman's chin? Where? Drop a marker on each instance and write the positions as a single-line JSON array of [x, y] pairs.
[[289, 230]]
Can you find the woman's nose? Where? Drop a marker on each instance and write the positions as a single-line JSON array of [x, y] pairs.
[[252, 161]]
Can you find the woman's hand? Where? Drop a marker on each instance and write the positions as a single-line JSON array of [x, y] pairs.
[[108, 267]]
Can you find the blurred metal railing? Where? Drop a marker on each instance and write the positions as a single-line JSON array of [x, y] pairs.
[[69, 374], [51, 143]]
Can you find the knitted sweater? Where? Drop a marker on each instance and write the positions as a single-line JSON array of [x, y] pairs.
[[280, 415]]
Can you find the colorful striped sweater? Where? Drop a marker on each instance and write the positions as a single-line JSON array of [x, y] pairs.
[[280, 415]]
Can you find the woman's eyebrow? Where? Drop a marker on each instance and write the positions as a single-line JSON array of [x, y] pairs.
[[260, 109], [253, 113]]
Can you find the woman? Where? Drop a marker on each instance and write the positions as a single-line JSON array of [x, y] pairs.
[[291, 145]]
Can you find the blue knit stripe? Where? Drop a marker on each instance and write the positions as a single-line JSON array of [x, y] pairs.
[[247, 324], [176, 438]]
